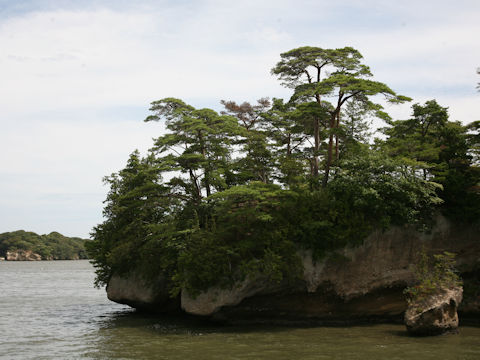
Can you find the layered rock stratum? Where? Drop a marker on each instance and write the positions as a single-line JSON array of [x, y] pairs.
[[362, 283]]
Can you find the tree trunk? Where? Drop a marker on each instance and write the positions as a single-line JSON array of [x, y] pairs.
[[193, 179], [330, 150], [316, 134], [207, 184], [337, 125], [289, 150], [206, 169]]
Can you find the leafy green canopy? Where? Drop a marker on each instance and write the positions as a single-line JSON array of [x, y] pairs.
[[338, 75], [443, 151], [225, 196], [248, 230], [432, 276]]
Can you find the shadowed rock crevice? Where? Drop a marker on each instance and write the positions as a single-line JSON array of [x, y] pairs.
[[133, 290]]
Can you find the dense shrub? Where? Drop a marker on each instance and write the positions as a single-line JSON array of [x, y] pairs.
[[432, 275]]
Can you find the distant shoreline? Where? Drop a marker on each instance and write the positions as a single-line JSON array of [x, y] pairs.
[[28, 246], [2, 259]]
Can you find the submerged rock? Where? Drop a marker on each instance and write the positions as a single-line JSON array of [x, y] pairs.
[[435, 315]]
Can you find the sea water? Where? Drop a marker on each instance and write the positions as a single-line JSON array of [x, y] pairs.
[[50, 310]]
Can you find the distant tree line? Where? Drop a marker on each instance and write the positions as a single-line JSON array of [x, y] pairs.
[[53, 246]]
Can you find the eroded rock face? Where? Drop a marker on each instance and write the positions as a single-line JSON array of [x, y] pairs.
[[22, 255], [135, 291], [363, 283], [470, 305], [209, 302], [434, 315]]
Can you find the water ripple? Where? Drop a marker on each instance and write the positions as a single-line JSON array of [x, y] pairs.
[[49, 310]]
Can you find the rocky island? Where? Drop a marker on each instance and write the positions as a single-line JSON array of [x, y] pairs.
[[285, 210]]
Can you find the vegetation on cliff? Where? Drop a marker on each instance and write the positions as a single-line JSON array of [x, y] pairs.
[[53, 246], [432, 276], [221, 196]]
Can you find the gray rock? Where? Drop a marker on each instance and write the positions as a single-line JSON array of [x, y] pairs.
[[22, 255], [363, 282], [435, 315], [334, 287], [137, 292], [210, 301]]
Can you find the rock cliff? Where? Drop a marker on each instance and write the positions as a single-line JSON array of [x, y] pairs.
[[22, 255], [134, 291], [362, 283]]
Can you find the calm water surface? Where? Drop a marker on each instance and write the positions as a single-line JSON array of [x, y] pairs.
[[50, 310]]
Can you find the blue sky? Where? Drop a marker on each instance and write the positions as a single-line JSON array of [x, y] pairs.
[[77, 78]]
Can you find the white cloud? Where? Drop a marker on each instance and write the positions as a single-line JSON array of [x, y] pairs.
[[440, 55], [106, 57]]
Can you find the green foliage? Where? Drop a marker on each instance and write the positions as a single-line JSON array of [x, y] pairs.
[[355, 131], [289, 128], [367, 192], [337, 74], [247, 237], [418, 137], [433, 275], [222, 197], [138, 211], [473, 141], [445, 152], [388, 190], [252, 139], [53, 246]]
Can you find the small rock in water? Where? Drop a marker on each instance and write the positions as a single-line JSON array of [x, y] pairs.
[[434, 315]]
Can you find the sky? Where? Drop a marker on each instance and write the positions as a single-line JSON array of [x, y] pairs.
[[77, 78]]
